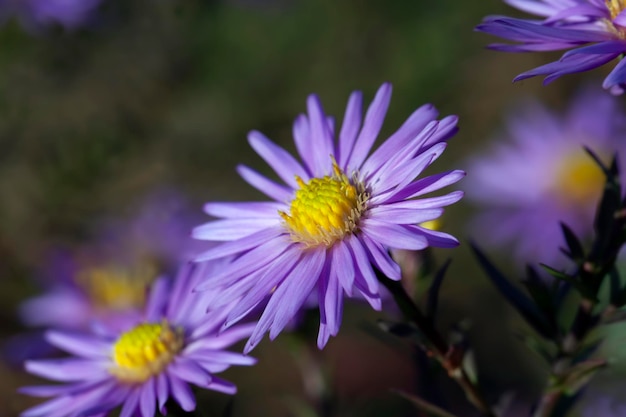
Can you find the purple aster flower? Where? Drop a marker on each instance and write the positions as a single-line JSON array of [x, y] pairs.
[[334, 219], [33, 14], [542, 176], [173, 345], [109, 278], [594, 30]]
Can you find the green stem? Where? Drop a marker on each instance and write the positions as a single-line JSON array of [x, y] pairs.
[[438, 347]]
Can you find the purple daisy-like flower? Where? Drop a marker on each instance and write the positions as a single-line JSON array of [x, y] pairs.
[[594, 30], [108, 279], [334, 219], [543, 176], [175, 344]]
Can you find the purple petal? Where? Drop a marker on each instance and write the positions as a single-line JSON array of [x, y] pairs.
[[248, 263], [189, 371], [437, 239], [362, 261], [157, 299], [302, 139], [411, 129], [381, 258], [67, 369], [223, 386], [232, 229], [55, 407], [241, 245], [617, 76], [274, 276], [569, 65], [182, 393], [245, 210], [392, 235], [371, 127], [224, 357], [342, 266], [161, 391], [79, 344], [285, 165], [350, 128], [268, 187], [404, 215], [608, 47], [147, 399], [300, 278], [131, 403], [332, 299], [225, 339], [320, 137], [295, 289], [424, 186]]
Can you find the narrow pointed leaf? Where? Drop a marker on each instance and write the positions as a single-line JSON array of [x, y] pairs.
[[524, 305], [574, 246], [433, 292]]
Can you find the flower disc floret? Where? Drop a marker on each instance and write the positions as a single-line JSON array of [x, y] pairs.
[[330, 228], [615, 7], [579, 180], [115, 287], [325, 209], [145, 350]]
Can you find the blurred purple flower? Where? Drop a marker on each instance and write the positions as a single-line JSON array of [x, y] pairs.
[[174, 344], [595, 29], [33, 14], [339, 212], [110, 277], [604, 407], [539, 175]]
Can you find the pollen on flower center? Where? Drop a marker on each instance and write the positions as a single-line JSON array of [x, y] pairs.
[[145, 350], [116, 287], [615, 7], [325, 209], [579, 180]]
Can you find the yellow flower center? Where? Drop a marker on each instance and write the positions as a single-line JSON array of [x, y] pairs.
[[145, 350], [116, 287], [615, 7], [579, 180], [325, 209]]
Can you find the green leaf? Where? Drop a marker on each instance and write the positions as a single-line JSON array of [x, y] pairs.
[[576, 251], [538, 347], [581, 287], [579, 374], [433, 292], [524, 305]]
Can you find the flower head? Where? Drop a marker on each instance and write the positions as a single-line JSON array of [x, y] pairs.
[[543, 176], [334, 219], [155, 357], [594, 30], [108, 279]]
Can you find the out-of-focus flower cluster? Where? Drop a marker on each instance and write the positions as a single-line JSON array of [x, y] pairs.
[[593, 30], [138, 339]]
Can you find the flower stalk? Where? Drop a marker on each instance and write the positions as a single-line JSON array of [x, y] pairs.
[[436, 347]]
